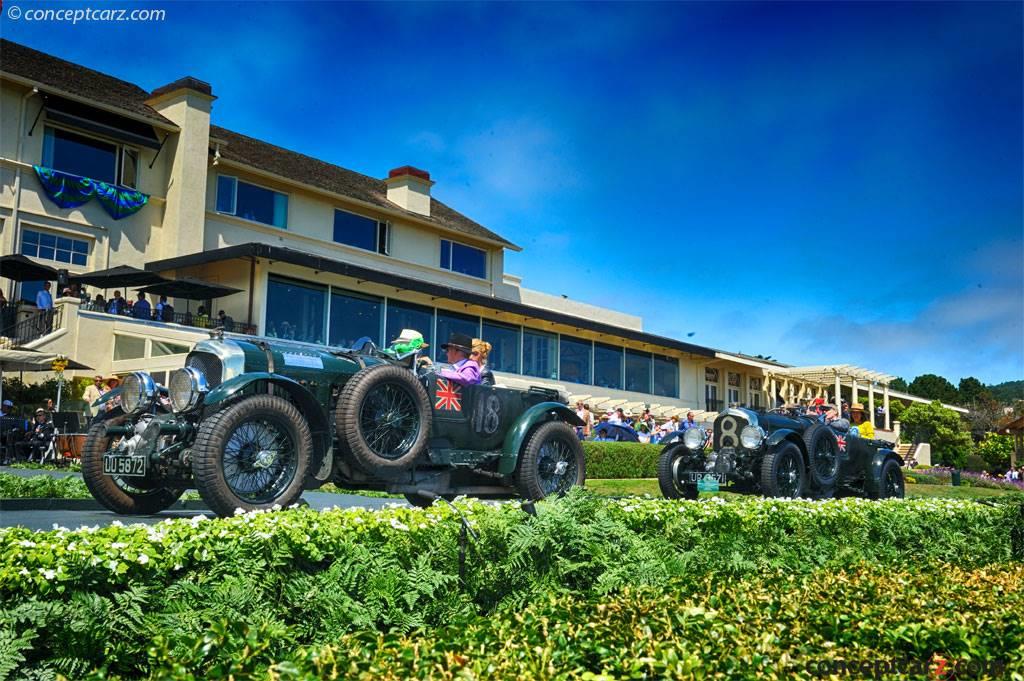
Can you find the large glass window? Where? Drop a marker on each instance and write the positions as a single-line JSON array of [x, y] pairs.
[[504, 342], [296, 310], [666, 376], [451, 322], [574, 356], [129, 347], [80, 155], [607, 366], [57, 248], [638, 371], [251, 202], [361, 232], [539, 353], [462, 258], [354, 316], [409, 316]]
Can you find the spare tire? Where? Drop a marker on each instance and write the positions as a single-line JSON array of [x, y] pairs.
[[383, 417], [822, 456]]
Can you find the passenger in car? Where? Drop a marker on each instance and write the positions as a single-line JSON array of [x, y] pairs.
[[480, 350], [463, 370], [865, 428]]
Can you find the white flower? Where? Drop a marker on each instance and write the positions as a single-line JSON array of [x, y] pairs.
[[23, 571], [143, 559], [398, 526], [48, 574], [275, 507], [118, 545], [239, 511], [117, 523]]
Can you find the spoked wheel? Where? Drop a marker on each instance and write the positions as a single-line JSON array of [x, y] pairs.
[[129, 496], [783, 473], [383, 417], [890, 483], [823, 457], [252, 455], [551, 461], [674, 461]]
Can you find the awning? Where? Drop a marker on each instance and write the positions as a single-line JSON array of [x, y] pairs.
[[122, 276], [85, 117], [190, 288]]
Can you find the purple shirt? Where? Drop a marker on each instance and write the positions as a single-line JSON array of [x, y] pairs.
[[464, 372]]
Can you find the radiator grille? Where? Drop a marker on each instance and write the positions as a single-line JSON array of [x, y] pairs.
[[727, 431], [207, 363]]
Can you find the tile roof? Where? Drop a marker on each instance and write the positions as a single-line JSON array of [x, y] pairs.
[[74, 79], [314, 172]]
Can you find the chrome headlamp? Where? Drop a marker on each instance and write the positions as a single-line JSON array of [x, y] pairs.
[[695, 438], [186, 388], [751, 437], [137, 392]]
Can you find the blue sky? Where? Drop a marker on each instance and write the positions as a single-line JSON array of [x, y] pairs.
[[818, 182]]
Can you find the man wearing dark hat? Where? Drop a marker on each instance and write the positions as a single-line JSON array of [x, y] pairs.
[[38, 438], [463, 370]]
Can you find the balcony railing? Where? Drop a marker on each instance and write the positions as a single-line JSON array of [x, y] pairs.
[[192, 319], [37, 325]]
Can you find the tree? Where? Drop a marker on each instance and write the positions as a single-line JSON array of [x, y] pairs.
[[995, 450], [973, 391], [896, 409], [898, 384], [932, 387], [940, 427]]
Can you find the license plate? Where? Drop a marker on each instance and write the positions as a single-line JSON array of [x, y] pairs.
[[129, 466], [701, 476]]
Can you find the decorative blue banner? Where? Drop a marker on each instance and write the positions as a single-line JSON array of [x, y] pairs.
[[72, 191]]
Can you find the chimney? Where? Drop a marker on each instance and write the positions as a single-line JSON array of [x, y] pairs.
[[409, 188]]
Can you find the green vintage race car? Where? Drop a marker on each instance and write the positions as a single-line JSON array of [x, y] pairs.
[[251, 423]]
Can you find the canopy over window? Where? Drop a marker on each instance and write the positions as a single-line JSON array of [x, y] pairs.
[[85, 117]]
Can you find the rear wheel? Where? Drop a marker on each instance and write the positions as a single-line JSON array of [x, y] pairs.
[[128, 496], [252, 455], [889, 484], [550, 462], [783, 473], [675, 459]]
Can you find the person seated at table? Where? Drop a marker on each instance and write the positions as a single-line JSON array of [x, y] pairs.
[[117, 304], [463, 370], [141, 308], [38, 438], [865, 428], [201, 319]]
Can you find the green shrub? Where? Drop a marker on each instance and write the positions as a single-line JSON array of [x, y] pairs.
[[974, 463], [621, 459], [42, 486]]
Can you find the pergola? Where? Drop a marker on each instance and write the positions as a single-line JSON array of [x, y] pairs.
[[797, 383], [1016, 429]]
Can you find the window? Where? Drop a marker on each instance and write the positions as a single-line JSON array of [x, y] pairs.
[[539, 352], [129, 347], [710, 375], [574, 357], [252, 202], [755, 392], [504, 342], [733, 379], [97, 159], [361, 232], [355, 316], [296, 310], [57, 248], [409, 316], [607, 366], [465, 259], [733, 396], [161, 348], [450, 322], [27, 291], [638, 371], [666, 376], [711, 396]]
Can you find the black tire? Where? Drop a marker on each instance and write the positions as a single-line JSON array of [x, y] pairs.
[[383, 417], [252, 454], [822, 456], [546, 447], [115, 493], [889, 484], [672, 459], [783, 473]]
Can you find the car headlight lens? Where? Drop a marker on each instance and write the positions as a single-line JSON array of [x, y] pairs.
[[185, 388], [751, 437], [694, 438], [137, 392]]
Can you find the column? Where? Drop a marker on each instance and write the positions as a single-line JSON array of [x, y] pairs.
[[839, 400], [771, 395], [885, 405], [871, 402], [853, 392]]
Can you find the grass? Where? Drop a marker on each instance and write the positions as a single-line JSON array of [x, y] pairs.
[[641, 486]]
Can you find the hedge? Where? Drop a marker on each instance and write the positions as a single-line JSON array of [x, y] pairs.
[[128, 600], [42, 486], [621, 459]]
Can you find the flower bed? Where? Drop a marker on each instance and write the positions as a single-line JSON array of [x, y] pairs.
[[938, 475], [129, 600]]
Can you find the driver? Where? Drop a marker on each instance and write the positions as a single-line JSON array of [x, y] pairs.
[[464, 370]]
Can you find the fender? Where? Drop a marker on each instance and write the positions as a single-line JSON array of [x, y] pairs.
[[538, 413], [306, 402], [785, 434], [106, 397], [874, 471]]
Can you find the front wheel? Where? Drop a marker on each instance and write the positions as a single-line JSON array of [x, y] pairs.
[[783, 473], [253, 454], [675, 460], [550, 462], [128, 496]]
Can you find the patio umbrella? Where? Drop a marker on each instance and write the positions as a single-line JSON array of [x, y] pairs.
[[24, 359], [190, 288], [20, 268], [124, 276]]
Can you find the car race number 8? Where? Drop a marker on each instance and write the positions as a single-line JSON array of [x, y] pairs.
[[729, 435]]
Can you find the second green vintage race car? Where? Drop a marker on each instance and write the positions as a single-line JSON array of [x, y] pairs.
[[251, 423]]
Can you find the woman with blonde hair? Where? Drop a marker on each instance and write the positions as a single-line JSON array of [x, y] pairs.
[[481, 349]]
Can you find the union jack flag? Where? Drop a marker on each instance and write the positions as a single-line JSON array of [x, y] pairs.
[[448, 396], [841, 439]]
